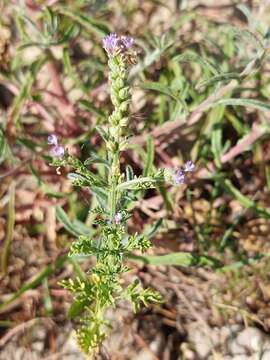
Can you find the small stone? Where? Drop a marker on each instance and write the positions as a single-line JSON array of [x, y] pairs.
[[38, 346], [235, 348], [251, 338], [202, 343]]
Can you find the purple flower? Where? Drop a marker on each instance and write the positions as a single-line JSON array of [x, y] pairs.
[[117, 218], [52, 140], [127, 42], [179, 177], [189, 166], [111, 43], [57, 151]]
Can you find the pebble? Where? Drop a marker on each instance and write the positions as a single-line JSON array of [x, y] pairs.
[[237, 343], [253, 339]]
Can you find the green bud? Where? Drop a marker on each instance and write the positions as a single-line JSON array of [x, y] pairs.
[[124, 93], [124, 121], [112, 120], [115, 99], [124, 106], [115, 117], [114, 131], [118, 84]]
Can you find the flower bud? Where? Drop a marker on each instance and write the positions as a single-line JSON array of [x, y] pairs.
[[124, 106], [124, 121], [124, 93]]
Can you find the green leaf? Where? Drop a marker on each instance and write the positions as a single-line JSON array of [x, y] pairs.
[[156, 86], [267, 175], [87, 105], [217, 79], [129, 173], [179, 258], [103, 133], [71, 227], [10, 229], [245, 201], [245, 37], [150, 57], [95, 159], [79, 180], [47, 300], [87, 22], [190, 56], [138, 183], [101, 195], [216, 115], [26, 89], [4, 148], [150, 156], [76, 308], [256, 104], [243, 262], [149, 233]]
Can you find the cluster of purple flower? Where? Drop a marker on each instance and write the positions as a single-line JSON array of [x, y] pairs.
[[114, 44], [57, 150], [179, 174]]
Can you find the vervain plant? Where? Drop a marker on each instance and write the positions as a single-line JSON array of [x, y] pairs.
[[101, 287]]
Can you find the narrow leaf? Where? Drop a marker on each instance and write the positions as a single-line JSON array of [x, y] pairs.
[[245, 201], [71, 227], [150, 156], [180, 259]]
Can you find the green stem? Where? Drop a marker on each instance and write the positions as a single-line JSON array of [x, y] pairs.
[[113, 182], [112, 200], [10, 228]]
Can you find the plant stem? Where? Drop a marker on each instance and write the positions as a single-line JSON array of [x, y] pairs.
[[114, 177], [10, 228]]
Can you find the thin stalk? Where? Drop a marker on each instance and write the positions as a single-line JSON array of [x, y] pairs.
[[10, 228], [113, 191]]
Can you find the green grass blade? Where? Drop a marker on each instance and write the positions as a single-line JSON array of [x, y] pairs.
[[10, 228], [180, 259], [76, 228], [256, 104], [217, 79], [87, 22], [150, 156], [245, 201]]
